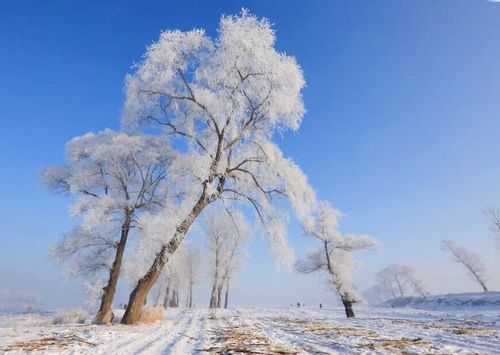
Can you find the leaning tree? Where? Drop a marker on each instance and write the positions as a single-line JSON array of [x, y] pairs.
[[334, 256], [221, 101], [469, 260], [115, 177]]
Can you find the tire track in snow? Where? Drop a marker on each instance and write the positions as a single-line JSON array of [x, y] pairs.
[[139, 343], [165, 336], [184, 342]]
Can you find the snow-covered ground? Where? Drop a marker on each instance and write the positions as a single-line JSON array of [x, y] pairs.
[[264, 331]]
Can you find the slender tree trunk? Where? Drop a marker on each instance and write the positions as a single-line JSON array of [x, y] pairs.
[[483, 285], [158, 297], [213, 296], [135, 305], [226, 297], [167, 296], [176, 298], [219, 295], [349, 312], [478, 278], [190, 305], [105, 314]]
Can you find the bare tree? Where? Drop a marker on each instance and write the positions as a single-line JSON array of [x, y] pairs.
[[335, 254], [115, 177], [469, 260]]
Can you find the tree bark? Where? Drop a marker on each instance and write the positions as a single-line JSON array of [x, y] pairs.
[[167, 295], [477, 277], [105, 314], [226, 296], [349, 312], [213, 296], [190, 303], [219, 295], [139, 294]]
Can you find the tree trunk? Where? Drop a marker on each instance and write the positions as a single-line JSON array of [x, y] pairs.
[[219, 295], [158, 298], [167, 295], [105, 314], [213, 296], [226, 297], [190, 305], [135, 305], [349, 312], [478, 278]]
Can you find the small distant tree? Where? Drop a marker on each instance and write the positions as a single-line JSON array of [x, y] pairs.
[[399, 281], [114, 177], [221, 100], [469, 260], [335, 254]]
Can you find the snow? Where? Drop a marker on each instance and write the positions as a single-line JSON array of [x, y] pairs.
[[269, 331]]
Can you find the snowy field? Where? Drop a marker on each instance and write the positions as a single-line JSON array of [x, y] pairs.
[[264, 331]]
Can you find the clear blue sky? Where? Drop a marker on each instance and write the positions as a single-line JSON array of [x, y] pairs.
[[401, 132]]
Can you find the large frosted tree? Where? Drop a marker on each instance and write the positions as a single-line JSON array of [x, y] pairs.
[[334, 256], [114, 177], [221, 100]]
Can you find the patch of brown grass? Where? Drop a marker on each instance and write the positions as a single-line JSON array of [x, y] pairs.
[[320, 328], [397, 346], [152, 315], [245, 340], [48, 343]]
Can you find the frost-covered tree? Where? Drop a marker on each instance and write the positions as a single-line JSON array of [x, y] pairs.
[[469, 260], [399, 281], [493, 215], [226, 233], [114, 177], [335, 254], [192, 269], [221, 100]]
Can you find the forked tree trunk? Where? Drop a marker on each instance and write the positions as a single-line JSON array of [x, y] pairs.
[[105, 314], [139, 294]]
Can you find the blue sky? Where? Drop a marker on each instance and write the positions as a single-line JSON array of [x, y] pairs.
[[401, 131]]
